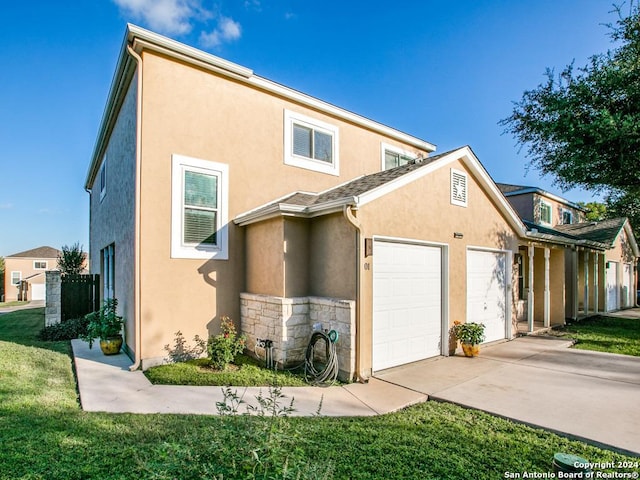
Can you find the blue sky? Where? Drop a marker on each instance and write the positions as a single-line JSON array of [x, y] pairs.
[[445, 71]]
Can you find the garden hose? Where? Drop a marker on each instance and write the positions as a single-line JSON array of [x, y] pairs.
[[327, 372]]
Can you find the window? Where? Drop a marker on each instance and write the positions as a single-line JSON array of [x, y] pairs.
[[16, 278], [545, 212], [199, 201], [567, 217], [107, 271], [102, 176], [310, 143], [40, 264], [395, 157], [458, 188]]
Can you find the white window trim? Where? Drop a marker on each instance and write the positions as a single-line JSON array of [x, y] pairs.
[[542, 222], [566, 210], [220, 251], [309, 163], [103, 171], [455, 201], [19, 279], [46, 264], [384, 147]]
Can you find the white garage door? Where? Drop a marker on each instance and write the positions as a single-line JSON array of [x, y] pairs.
[[612, 286], [38, 291], [487, 292], [407, 303]]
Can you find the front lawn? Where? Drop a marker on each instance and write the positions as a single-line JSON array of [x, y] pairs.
[[45, 435], [605, 334], [245, 373], [12, 304]]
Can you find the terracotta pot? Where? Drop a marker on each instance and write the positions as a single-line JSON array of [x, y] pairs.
[[111, 345], [470, 350]]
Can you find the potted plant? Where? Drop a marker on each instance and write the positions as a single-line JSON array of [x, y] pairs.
[[470, 335], [106, 325]]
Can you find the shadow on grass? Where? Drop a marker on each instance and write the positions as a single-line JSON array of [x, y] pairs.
[[23, 326]]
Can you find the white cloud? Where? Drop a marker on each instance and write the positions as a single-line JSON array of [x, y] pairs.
[[164, 16], [227, 30]]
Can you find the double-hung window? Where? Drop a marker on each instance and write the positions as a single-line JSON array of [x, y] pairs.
[[395, 157], [16, 278], [567, 217], [545, 213], [40, 264], [199, 208], [310, 143]]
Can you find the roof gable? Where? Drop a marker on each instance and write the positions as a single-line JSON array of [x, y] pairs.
[[365, 189], [604, 231]]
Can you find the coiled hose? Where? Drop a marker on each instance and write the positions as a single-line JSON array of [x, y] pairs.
[[327, 372]]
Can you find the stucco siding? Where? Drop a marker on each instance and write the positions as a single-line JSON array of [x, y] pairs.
[[25, 266], [113, 217]]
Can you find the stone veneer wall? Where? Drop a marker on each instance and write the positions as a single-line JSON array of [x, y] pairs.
[[288, 322], [53, 305]]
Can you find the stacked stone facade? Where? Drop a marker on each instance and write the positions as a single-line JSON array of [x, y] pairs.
[[289, 323], [53, 307]]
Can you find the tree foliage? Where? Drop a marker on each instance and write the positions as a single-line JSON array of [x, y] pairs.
[[596, 211], [582, 126], [72, 259]]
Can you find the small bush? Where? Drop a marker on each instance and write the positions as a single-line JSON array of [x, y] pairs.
[[182, 351], [223, 348], [67, 330]]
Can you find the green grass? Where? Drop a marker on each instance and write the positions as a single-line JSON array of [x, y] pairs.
[[12, 304], [605, 334], [196, 372], [45, 435]]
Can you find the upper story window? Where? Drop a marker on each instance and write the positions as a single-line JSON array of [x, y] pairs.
[[459, 193], [545, 212], [102, 177], [567, 217], [40, 264], [16, 278], [395, 157], [199, 205], [310, 143]]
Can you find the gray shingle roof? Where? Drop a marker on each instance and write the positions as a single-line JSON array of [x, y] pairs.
[[604, 231], [40, 252], [353, 188], [508, 188]]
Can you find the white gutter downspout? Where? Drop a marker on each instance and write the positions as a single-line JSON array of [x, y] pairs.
[[348, 214], [136, 262]]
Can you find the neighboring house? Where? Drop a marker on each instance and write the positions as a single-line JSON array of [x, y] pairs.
[[218, 192], [599, 258], [27, 270]]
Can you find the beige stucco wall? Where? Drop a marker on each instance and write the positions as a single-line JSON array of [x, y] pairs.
[[24, 265], [422, 211], [528, 207], [556, 285], [191, 112], [265, 257], [332, 259], [112, 218]]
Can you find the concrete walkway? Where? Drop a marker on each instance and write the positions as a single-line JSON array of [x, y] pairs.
[[33, 304], [106, 385], [587, 395], [535, 380]]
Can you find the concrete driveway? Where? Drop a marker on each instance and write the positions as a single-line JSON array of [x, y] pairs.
[[539, 381]]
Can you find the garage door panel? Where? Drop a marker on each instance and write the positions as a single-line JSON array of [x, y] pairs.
[[486, 292], [407, 303]]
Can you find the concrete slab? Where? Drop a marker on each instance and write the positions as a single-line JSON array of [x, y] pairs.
[[106, 385], [593, 396]]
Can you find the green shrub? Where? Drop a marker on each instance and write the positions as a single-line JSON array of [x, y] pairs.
[[224, 347], [67, 330]]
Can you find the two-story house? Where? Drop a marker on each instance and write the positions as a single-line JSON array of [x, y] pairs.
[[25, 273], [599, 265]]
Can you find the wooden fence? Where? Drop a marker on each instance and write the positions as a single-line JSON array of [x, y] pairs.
[[80, 294]]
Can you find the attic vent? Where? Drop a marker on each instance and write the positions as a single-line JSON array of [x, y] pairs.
[[458, 188]]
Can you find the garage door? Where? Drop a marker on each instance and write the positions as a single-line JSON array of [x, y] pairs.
[[612, 286], [38, 291], [487, 292], [627, 282], [407, 303]]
